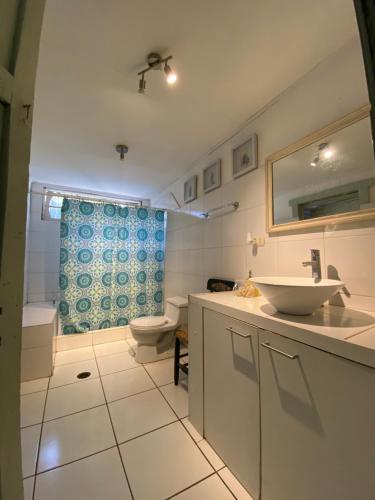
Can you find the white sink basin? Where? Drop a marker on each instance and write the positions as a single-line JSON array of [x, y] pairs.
[[298, 296]]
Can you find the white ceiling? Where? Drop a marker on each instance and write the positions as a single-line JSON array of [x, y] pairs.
[[232, 58]]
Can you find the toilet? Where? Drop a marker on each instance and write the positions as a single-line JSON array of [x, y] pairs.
[[155, 334]]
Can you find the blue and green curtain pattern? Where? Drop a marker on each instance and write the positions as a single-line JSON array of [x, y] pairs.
[[111, 264]]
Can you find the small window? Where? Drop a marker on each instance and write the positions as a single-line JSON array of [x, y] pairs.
[[52, 206]]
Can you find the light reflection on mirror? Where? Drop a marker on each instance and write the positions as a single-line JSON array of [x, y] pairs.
[[332, 176]]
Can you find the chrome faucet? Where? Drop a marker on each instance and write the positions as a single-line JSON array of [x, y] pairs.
[[315, 264]]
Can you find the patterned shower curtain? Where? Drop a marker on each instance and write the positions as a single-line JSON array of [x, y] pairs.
[[111, 264]]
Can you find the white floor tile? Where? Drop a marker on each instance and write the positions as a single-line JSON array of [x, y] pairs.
[[211, 455], [138, 414], [111, 348], [74, 356], [32, 407], [73, 398], [211, 488], [75, 436], [28, 488], [67, 374], [177, 397], [182, 464], [31, 386], [94, 478], [234, 485], [115, 363], [192, 430], [126, 383], [29, 446], [161, 371]]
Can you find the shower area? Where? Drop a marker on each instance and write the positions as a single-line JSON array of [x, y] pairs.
[[111, 264]]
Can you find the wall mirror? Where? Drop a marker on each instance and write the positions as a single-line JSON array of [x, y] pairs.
[[327, 177]]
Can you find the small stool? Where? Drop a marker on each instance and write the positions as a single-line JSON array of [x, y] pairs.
[[181, 338]]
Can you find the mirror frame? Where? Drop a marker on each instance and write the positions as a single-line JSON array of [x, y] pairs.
[[358, 215]]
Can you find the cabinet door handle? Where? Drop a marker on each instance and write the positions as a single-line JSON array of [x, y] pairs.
[[289, 356], [244, 335]]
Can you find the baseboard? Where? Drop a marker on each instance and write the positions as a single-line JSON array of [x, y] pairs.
[[77, 340]]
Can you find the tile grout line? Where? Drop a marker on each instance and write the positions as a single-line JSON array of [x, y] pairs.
[[113, 430], [91, 358], [92, 378], [73, 413], [224, 483], [178, 419], [40, 440], [96, 406], [74, 461], [191, 486]]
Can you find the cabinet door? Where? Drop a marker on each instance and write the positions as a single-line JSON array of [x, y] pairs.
[[195, 326], [317, 420], [231, 395]]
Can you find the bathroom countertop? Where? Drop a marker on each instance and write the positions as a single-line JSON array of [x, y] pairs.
[[345, 332]]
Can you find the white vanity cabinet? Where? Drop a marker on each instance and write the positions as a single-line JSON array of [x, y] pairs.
[[317, 421], [231, 395], [195, 325]]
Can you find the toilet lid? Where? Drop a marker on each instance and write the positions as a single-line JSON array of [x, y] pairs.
[[149, 321]]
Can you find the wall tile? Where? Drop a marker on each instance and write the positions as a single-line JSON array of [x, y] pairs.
[[212, 259], [291, 254], [353, 258], [212, 233], [42, 242], [233, 263], [262, 261], [43, 282], [352, 229], [43, 262], [233, 229]]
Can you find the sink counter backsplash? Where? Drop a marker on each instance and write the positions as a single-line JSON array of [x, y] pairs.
[[345, 332]]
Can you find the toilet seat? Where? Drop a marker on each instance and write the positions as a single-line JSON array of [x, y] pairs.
[[149, 322]]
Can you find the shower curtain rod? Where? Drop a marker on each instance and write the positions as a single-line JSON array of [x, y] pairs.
[[89, 197]]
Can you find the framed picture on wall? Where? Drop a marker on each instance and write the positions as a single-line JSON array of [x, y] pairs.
[[245, 157], [190, 189], [212, 176]]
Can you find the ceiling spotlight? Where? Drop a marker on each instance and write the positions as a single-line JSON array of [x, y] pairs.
[[122, 149], [170, 74], [327, 153], [142, 85], [155, 62], [325, 150]]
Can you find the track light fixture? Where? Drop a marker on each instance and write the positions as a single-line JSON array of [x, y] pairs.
[[170, 74], [323, 150], [155, 61], [142, 85], [121, 149]]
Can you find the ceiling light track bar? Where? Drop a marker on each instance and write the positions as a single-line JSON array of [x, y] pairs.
[[154, 62]]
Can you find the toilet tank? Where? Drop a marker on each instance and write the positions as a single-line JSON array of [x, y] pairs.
[[176, 309]]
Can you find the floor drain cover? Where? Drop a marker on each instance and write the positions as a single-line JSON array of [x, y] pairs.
[[83, 375]]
